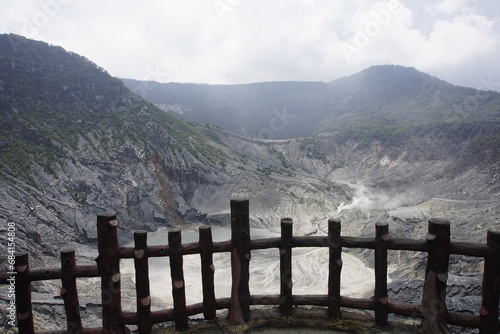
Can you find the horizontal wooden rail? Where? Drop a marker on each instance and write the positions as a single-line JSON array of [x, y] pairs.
[[83, 331], [407, 310], [457, 248], [265, 243], [407, 244], [463, 320], [468, 249], [164, 250], [54, 273], [437, 245], [130, 318]]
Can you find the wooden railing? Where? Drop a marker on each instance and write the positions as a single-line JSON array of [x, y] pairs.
[[433, 310]]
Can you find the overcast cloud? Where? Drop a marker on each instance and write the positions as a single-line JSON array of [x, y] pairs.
[[241, 41]]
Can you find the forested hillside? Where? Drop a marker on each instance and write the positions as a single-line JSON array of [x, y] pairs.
[[389, 144], [379, 103], [387, 104], [54, 104], [75, 141], [269, 110]]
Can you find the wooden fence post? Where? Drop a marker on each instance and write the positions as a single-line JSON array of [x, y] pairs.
[[239, 309], [178, 283], [141, 265], [207, 272], [434, 297], [381, 299], [69, 292], [491, 286], [23, 295], [108, 264], [335, 268], [286, 297]]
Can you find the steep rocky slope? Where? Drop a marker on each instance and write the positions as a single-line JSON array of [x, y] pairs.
[[74, 141]]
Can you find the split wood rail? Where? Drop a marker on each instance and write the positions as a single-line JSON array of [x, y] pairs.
[[433, 310]]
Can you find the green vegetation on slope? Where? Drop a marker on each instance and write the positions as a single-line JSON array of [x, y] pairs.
[[51, 99], [381, 102], [448, 130], [268, 110]]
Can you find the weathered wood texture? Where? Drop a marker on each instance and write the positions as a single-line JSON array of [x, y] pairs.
[[335, 268], [207, 272], [491, 285], [240, 262], [143, 294], [178, 283], [108, 263], [433, 310], [434, 298], [23, 295], [286, 283], [69, 292], [381, 300]]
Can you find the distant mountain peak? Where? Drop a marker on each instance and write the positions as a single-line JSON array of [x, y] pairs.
[[383, 75], [383, 94]]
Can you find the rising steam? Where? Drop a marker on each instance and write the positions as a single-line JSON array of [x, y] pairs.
[[366, 198]]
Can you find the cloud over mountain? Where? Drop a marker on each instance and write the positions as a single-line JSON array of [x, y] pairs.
[[237, 41]]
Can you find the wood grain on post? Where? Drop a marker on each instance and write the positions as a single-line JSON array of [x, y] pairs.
[[381, 300], [433, 310], [23, 295], [491, 286], [434, 300], [239, 310], [286, 297], [108, 263], [207, 272], [335, 268], [178, 283], [143, 294], [69, 291]]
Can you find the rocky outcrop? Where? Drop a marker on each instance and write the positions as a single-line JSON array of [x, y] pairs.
[[123, 154], [360, 186]]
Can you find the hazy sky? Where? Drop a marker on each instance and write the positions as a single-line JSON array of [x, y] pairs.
[[241, 41]]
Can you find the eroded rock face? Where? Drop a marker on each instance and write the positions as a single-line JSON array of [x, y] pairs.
[[154, 171], [360, 186], [463, 295], [172, 186]]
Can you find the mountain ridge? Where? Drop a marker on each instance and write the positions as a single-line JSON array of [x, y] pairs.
[[386, 94], [73, 140], [64, 158], [67, 154]]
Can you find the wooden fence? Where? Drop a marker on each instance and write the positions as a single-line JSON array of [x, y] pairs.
[[433, 310]]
